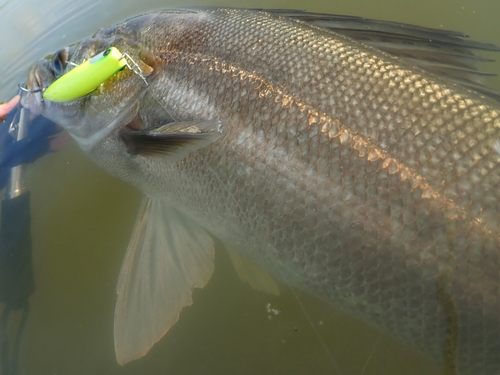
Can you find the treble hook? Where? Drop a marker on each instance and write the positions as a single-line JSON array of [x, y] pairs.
[[134, 67]]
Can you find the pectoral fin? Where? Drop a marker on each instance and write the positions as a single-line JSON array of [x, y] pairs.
[[174, 140], [168, 255]]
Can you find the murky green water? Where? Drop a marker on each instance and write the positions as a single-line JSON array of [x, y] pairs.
[[82, 219]]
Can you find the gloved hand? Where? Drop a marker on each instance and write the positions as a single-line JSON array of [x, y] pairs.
[[37, 143]]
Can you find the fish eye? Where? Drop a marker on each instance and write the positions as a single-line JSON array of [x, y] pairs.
[[60, 61]]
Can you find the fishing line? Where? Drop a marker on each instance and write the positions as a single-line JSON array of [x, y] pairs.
[[164, 108], [371, 353], [323, 344]]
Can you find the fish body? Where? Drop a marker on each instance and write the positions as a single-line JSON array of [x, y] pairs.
[[336, 167]]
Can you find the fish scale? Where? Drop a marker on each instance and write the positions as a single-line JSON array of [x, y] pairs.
[[297, 231], [342, 170]]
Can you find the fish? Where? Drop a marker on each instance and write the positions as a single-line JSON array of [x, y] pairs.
[[355, 159]]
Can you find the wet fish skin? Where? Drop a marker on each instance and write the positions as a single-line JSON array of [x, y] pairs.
[[342, 170]]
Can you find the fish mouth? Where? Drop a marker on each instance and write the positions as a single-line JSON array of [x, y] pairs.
[[32, 97]]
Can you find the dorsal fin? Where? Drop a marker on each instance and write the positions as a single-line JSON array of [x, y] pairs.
[[442, 52]]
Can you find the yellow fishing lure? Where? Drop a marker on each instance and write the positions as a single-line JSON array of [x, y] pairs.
[[86, 77]]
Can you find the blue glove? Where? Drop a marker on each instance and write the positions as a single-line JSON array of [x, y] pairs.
[[27, 150]]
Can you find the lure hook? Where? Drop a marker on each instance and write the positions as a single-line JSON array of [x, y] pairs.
[[24, 89], [134, 66]]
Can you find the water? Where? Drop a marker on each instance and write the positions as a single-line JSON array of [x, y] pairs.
[[82, 219]]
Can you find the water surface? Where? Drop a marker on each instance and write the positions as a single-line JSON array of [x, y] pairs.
[[82, 219]]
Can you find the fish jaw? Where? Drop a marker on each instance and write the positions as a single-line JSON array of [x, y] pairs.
[[84, 117], [38, 79]]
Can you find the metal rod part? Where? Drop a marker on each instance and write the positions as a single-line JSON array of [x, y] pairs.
[[17, 185]]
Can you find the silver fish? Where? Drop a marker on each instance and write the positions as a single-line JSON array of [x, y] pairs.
[[369, 180]]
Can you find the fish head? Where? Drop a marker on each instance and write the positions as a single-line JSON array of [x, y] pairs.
[[112, 103]]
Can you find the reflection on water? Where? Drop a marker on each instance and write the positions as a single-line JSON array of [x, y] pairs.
[[82, 219]]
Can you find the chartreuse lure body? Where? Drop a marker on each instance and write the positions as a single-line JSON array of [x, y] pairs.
[[86, 77]]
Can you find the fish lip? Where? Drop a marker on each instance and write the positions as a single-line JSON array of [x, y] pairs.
[[32, 97]]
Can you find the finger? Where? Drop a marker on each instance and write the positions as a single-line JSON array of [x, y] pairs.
[[5, 108]]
